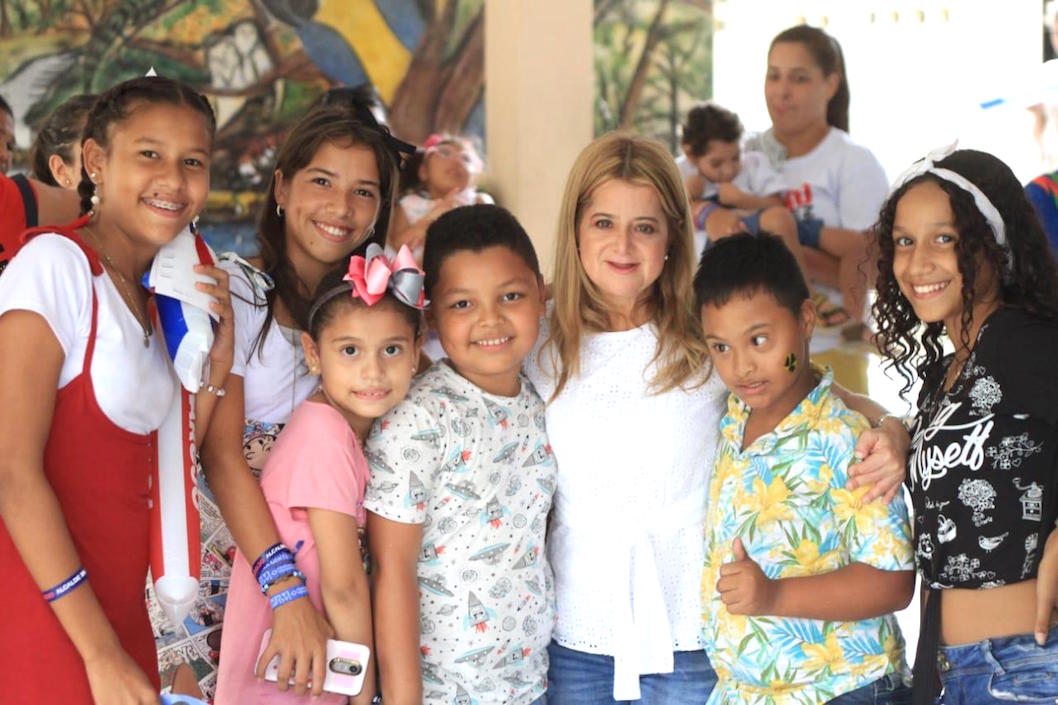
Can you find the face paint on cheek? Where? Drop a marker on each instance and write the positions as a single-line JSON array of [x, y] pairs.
[[790, 363]]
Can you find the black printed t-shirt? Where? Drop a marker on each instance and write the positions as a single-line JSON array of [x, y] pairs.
[[984, 459]]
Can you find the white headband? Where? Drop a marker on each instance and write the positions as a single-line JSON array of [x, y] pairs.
[[926, 165]]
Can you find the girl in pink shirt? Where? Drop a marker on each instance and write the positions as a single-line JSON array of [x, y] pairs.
[[363, 341]]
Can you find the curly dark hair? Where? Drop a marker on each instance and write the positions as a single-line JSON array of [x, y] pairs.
[[707, 122], [915, 348]]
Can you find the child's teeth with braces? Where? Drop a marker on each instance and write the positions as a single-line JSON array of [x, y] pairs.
[[164, 205]]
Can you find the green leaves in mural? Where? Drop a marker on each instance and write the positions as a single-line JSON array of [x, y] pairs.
[[653, 61]]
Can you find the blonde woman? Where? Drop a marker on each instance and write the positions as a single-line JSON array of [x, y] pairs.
[[632, 416]]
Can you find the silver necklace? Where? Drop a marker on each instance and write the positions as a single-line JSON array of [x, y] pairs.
[[125, 290]]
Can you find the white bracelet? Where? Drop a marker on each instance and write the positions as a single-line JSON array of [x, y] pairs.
[[215, 391], [887, 415]]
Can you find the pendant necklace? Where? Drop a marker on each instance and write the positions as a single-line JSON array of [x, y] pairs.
[[124, 288]]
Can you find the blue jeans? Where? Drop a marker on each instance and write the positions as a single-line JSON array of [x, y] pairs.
[[1013, 669], [579, 678], [890, 689]]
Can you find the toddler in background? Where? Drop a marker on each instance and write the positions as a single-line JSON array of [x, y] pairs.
[[801, 576], [364, 345], [462, 478], [439, 177], [734, 191]]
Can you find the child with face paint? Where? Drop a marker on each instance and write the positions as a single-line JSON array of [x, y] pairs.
[[801, 576]]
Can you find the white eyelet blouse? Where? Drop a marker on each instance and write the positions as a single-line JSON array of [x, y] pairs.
[[626, 534]]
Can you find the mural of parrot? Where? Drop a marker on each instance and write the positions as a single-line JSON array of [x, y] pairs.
[[355, 41]]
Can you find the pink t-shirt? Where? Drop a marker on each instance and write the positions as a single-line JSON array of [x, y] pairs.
[[316, 462]]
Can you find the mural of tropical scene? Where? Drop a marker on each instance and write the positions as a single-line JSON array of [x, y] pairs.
[[260, 62], [263, 62], [653, 62]]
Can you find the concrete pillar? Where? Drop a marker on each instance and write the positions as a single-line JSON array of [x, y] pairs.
[[539, 92]]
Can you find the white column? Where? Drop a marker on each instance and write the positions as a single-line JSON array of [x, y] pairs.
[[539, 91]]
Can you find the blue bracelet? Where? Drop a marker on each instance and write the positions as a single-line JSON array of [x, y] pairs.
[[267, 555], [699, 222], [269, 576], [274, 564], [65, 586], [289, 595]]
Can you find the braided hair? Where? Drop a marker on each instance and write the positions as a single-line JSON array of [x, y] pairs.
[[118, 103], [59, 134]]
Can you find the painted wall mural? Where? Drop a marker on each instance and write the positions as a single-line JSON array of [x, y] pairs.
[[261, 63], [653, 62]]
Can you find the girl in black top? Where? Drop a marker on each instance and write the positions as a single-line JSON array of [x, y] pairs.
[[962, 256]]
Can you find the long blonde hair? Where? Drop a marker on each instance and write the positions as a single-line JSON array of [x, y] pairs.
[[579, 307]]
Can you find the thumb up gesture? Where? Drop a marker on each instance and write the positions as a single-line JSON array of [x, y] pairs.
[[743, 586]]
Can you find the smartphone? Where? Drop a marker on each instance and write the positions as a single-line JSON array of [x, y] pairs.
[[346, 666]]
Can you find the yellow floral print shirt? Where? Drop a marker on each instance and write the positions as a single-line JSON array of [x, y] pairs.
[[785, 497]]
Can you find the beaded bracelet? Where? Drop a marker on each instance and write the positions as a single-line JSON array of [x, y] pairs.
[[882, 419], [215, 391], [60, 590], [267, 555], [292, 574], [271, 576], [289, 595]]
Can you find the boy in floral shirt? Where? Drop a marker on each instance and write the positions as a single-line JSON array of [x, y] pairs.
[[801, 577]]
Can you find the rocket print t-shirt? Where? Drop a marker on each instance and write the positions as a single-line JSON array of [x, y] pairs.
[[477, 472]]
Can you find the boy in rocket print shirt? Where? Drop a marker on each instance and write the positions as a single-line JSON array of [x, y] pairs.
[[462, 478]]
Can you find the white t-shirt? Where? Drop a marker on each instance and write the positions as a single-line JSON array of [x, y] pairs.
[[757, 176], [133, 384], [626, 533], [275, 376], [839, 182]]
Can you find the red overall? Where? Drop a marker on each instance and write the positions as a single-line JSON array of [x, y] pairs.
[[99, 473]]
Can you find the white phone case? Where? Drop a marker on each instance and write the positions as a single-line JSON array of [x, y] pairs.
[[347, 664]]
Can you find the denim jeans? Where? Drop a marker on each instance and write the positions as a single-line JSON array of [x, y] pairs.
[[890, 689], [1012, 669], [579, 678]]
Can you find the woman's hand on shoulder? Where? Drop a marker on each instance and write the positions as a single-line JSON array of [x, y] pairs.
[[222, 353], [115, 679], [882, 454]]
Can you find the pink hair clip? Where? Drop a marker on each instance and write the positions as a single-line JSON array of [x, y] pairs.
[[374, 274]]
